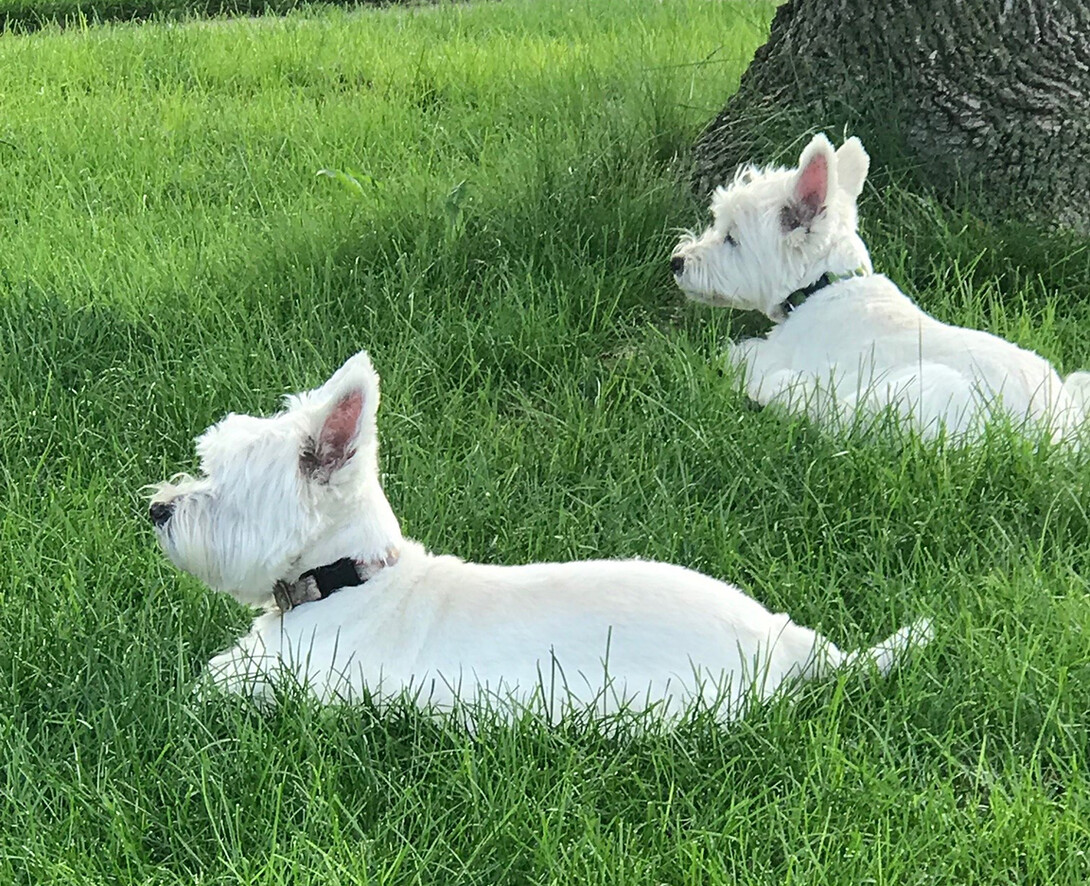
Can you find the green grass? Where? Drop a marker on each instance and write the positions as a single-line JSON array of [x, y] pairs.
[[27, 16], [494, 226]]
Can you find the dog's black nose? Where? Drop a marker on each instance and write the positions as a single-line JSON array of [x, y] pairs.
[[160, 512], [677, 264]]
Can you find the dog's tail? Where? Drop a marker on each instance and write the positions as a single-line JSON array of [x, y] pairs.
[[890, 652]]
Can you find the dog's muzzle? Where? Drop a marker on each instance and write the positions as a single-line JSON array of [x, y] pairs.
[[677, 265]]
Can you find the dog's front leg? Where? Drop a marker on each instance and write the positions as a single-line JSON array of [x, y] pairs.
[[245, 669]]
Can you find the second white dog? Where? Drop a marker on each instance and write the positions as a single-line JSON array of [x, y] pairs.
[[289, 511], [848, 343]]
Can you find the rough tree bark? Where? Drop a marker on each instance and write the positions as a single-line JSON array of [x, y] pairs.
[[991, 96]]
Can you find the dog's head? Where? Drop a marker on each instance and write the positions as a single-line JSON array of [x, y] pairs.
[[271, 489], [777, 230]]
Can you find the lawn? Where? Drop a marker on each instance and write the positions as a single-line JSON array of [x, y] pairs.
[[198, 216]]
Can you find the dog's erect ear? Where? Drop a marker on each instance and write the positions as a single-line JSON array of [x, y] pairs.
[[336, 442], [349, 404], [852, 164], [815, 179]]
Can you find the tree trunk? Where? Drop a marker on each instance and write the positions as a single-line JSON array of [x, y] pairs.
[[985, 96]]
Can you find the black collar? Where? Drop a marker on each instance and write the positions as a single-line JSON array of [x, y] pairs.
[[797, 297], [319, 583], [334, 576]]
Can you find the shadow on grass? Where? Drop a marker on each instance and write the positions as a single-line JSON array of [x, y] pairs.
[[27, 17]]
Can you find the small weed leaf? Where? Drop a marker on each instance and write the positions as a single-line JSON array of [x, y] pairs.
[[350, 181], [455, 201]]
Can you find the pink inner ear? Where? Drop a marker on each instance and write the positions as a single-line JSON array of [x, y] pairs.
[[341, 426], [813, 183]]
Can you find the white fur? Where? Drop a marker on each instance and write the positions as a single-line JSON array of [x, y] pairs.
[[549, 637], [859, 345]]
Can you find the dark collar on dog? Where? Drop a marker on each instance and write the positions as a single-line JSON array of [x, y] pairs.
[[797, 297], [319, 583]]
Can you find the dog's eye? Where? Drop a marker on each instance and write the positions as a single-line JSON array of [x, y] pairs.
[[729, 240]]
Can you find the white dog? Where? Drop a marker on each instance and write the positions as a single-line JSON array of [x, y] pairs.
[[289, 514], [848, 343]]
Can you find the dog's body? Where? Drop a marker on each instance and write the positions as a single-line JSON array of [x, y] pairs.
[[605, 634], [860, 345], [857, 345], [549, 637]]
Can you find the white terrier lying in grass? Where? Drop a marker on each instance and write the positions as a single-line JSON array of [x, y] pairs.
[[289, 514], [848, 343]]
